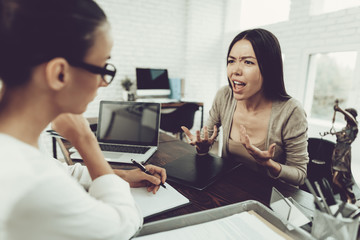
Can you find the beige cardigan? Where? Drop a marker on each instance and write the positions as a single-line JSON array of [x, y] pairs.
[[287, 128]]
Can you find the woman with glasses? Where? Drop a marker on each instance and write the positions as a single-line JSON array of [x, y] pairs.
[[262, 125], [53, 59]]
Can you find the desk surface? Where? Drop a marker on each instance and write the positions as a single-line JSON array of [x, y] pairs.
[[240, 185]]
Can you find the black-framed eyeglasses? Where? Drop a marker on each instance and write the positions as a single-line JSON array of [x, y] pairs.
[[107, 72]]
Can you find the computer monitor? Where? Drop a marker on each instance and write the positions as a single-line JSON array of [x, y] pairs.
[[152, 82]]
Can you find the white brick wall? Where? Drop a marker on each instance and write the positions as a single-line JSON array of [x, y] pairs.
[[146, 34], [203, 56], [184, 36]]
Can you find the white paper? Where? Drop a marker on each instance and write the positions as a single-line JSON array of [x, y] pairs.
[[163, 200], [243, 226]]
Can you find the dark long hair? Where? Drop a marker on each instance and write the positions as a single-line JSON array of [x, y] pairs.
[[268, 55], [35, 31]]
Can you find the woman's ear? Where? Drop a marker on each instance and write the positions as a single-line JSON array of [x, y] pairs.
[[57, 72]]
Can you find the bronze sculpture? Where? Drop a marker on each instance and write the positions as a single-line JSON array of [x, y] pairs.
[[341, 157]]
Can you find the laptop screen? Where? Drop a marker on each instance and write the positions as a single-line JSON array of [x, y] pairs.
[[133, 123]]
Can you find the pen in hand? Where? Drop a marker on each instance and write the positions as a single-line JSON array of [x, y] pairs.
[[142, 168]]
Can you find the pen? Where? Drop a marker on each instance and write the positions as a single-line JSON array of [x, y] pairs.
[[311, 189], [322, 197], [139, 165], [328, 192]]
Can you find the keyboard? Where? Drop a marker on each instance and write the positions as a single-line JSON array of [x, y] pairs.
[[121, 148]]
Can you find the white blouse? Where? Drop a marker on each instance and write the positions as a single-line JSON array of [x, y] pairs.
[[41, 198]]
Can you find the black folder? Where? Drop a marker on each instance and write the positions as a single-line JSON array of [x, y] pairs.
[[197, 171]]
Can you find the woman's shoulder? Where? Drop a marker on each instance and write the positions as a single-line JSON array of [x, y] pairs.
[[288, 109], [224, 92], [223, 95], [290, 105]]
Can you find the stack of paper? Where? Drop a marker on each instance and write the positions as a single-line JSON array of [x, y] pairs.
[[239, 226]]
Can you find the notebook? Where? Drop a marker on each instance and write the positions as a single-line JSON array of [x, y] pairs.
[[199, 172], [164, 200], [127, 130]]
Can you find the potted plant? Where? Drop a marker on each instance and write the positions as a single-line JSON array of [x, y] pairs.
[[126, 83]]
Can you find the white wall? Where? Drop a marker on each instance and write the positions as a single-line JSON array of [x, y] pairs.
[[184, 36]]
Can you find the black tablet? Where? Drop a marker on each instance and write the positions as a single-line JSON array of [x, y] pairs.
[[197, 171]]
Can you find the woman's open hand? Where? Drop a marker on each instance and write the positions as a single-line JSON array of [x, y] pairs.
[[262, 157], [202, 144]]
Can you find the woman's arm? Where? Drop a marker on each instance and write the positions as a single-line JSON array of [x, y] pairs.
[[107, 211], [294, 143], [289, 131], [76, 129]]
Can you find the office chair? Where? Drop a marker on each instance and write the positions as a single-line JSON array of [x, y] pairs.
[[320, 165], [64, 151], [320, 158], [182, 116]]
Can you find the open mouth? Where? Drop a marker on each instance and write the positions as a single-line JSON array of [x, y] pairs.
[[238, 85]]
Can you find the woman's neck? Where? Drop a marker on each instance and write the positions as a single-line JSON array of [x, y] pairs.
[[24, 116], [254, 104]]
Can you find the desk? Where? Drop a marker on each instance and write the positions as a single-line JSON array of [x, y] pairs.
[[240, 185]]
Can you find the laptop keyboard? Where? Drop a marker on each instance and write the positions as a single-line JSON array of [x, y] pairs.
[[127, 149]]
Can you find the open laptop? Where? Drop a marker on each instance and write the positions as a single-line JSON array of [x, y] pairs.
[[127, 130]]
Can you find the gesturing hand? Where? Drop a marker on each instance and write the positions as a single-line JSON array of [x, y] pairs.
[[202, 144], [262, 157]]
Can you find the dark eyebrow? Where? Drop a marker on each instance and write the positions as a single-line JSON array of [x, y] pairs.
[[244, 57]]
